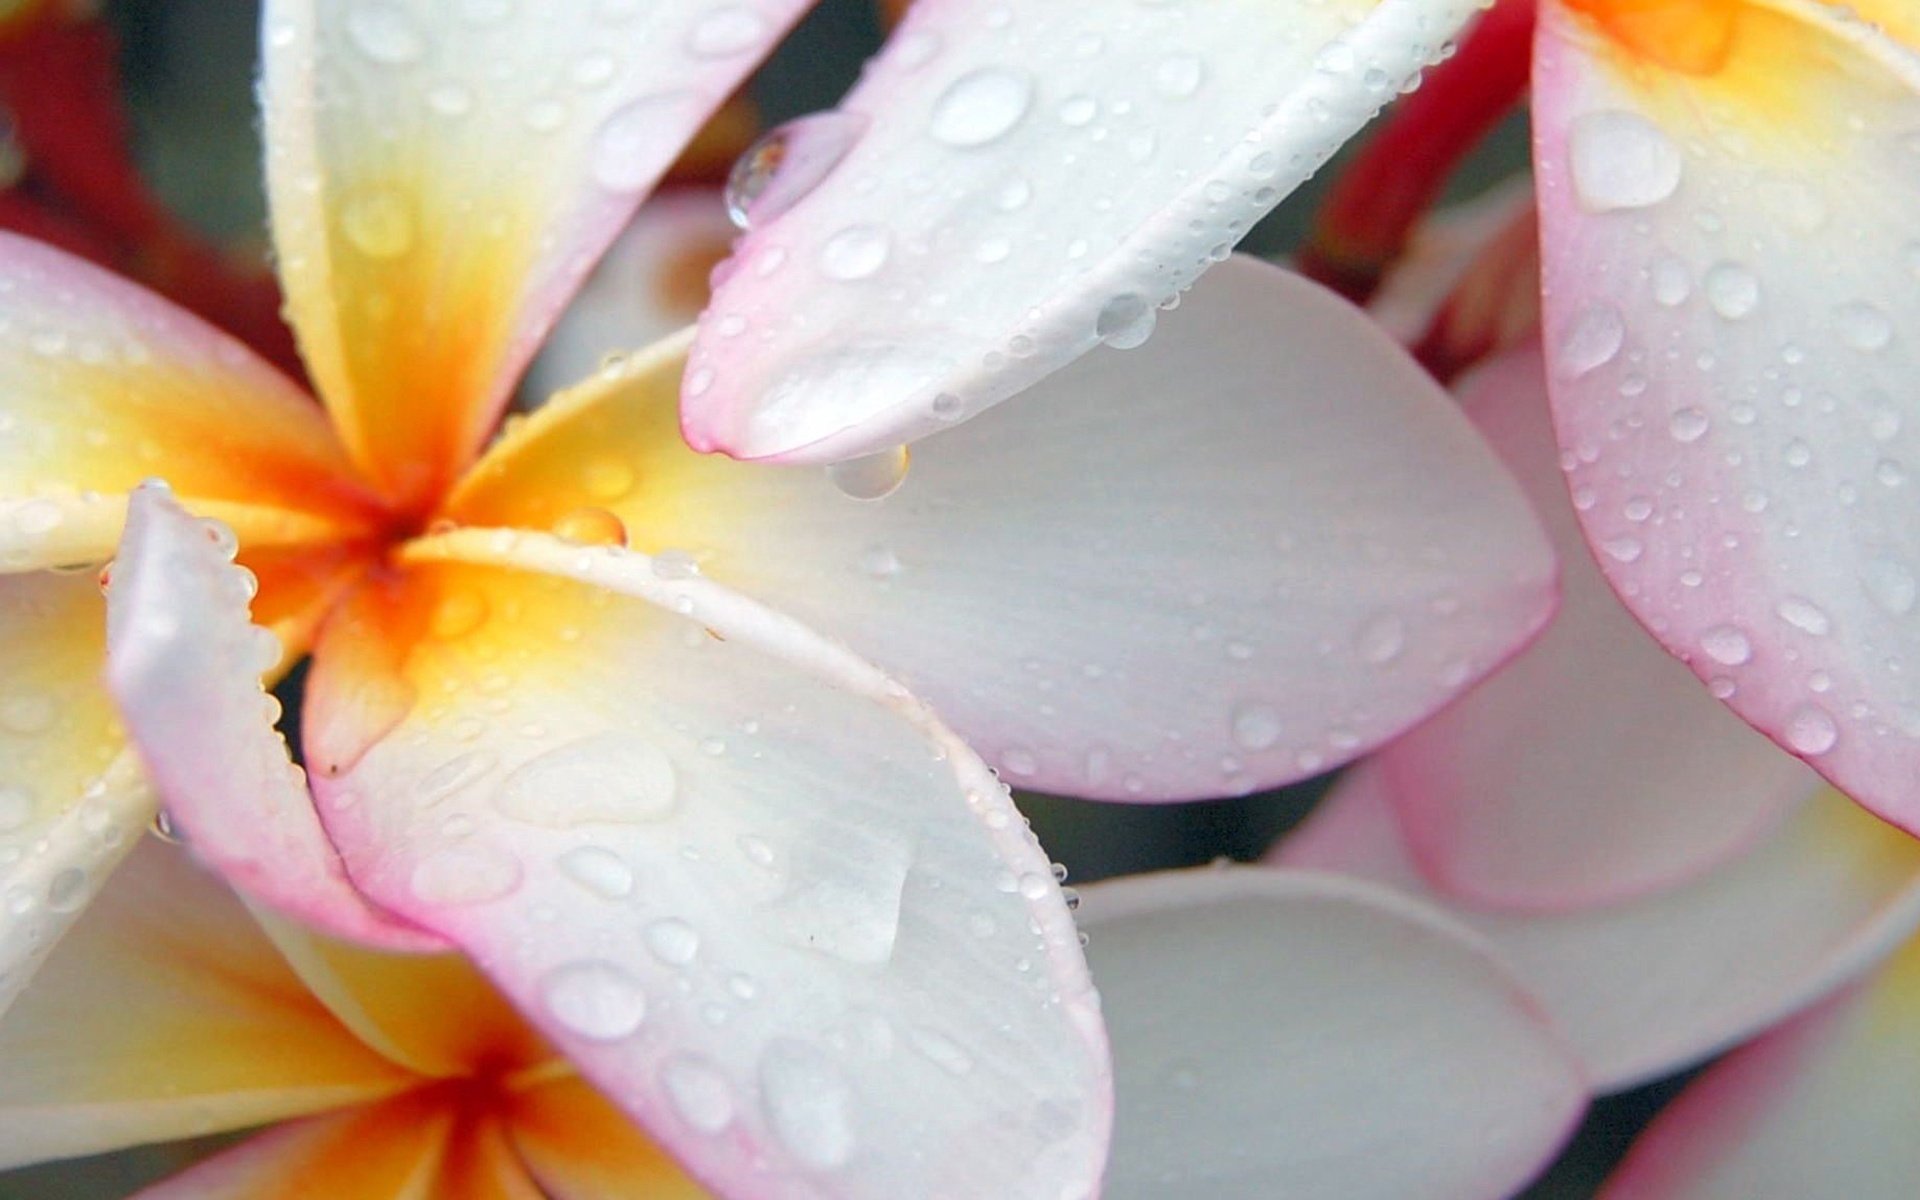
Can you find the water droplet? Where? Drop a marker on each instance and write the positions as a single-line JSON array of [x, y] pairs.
[[724, 32], [698, 1092], [981, 106], [1256, 726], [379, 224], [807, 1103], [591, 527], [596, 1000], [1810, 730], [879, 562], [607, 478], [458, 612], [1593, 339], [1179, 75], [1125, 322], [385, 34], [1732, 290], [1727, 645], [1621, 160], [598, 870], [607, 777], [856, 252], [1891, 586], [673, 941], [67, 890], [1381, 639], [1804, 615], [1863, 326], [871, 476], [1688, 424], [1018, 760], [787, 163], [471, 873]]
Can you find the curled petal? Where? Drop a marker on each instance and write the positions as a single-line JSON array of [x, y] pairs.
[[755, 891], [184, 665], [1004, 194]]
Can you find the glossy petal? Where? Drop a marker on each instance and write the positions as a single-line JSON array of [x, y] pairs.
[[1294, 1034], [1646, 987], [103, 385], [166, 1014], [1593, 768], [184, 665], [1733, 326], [580, 1147], [1822, 1106], [1138, 586], [1019, 186], [650, 284], [391, 1151], [440, 183], [742, 879], [71, 801]]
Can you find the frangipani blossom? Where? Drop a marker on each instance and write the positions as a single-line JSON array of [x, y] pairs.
[[171, 1012], [687, 835], [1727, 202], [1367, 1048]]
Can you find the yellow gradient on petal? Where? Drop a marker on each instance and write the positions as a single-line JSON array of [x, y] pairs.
[[1776, 71], [1895, 994], [578, 1144], [58, 727]]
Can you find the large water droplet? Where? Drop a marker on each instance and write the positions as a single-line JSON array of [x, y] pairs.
[[1726, 645], [596, 1000], [1621, 160], [1810, 730], [871, 476], [807, 1103], [856, 252], [607, 777], [1125, 321], [1732, 290], [1592, 340], [698, 1092], [981, 106], [787, 163], [673, 941]]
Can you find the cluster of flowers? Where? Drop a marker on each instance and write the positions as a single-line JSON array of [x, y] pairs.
[[654, 834]]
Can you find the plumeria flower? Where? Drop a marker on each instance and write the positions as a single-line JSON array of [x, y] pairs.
[[706, 848], [1306, 996], [1727, 210]]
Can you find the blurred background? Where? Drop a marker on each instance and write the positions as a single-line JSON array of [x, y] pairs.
[[187, 67]]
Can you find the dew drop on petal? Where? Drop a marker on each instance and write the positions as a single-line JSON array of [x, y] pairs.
[[807, 1103], [595, 1000], [1621, 160], [637, 140], [1726, 645], [377, 223], [1125, 322], [385, 34], [871, 476], [698, 1092], [856, 252], [672, 941], [599, 870], [1810, 730], [981, 106], [1255, 726], [1732, 290], [1592, 340], [787, 163]]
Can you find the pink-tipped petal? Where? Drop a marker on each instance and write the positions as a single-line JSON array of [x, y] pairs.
[[1014, 186], [1646, 987], [184, 665], [1256, 547], [1824, 1105], [440, 183], [1734, 336], [1296, 1034], [771, 907], [1593, 768], [165, 1014]]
